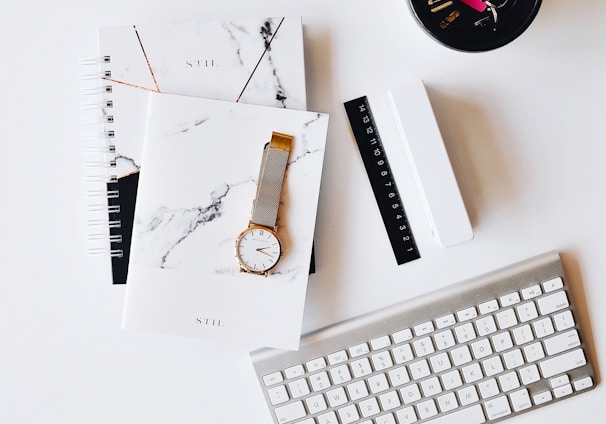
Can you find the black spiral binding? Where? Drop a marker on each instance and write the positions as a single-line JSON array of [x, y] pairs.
[[98, 136]]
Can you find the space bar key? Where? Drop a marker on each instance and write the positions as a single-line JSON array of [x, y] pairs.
[[472, 415]]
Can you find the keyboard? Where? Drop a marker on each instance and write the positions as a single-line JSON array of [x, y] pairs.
[[478, 351]]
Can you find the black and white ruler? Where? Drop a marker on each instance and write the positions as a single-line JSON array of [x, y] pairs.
[[382, 180]]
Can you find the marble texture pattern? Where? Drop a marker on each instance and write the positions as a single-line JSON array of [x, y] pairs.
[[256, 61], [198, 181]]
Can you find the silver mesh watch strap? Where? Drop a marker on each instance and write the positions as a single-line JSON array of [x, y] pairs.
[[271, 178]]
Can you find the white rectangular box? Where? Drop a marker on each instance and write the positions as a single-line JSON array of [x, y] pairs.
[[430, 164]]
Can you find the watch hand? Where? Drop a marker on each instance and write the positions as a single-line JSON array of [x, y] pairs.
[[262, 250]]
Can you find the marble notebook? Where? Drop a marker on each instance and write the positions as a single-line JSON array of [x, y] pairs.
[[256, 61], [198, 180]]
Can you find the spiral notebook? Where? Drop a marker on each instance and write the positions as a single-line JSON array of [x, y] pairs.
[[256, 61], [198, 180]]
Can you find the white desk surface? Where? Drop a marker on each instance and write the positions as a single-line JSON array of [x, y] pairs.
[[524, 127]]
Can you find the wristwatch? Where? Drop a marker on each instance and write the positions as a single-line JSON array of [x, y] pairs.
[[258, 247]]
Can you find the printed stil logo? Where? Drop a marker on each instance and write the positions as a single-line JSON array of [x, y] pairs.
[[201, 64], [209, 322]]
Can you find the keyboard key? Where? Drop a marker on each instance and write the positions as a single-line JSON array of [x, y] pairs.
[[562, 342], [389, 400], [423, 347], [448, 402], [402, 336], [406, 415], [357, 390], [440, 362], [290, 412], [431, 387], [527, 311], [359, 350], [502, 341], [492, 366], [293, 372], [509, 381], [553, 285], [472, 373], [340, 374], [385, 419], [315, 364], [562, 363], [444, 339], [560, 392], [380, 343], [273, 378], [520, 400], [423, 328], [471, 415], [402, 354], [316, 403], [410, 393], [461, 355], [337, 357], [506, 319], [522, 334], [534, 352], [445, 321], [348, 414], [510, 299], [531, 292], [369, 407], [319, 381], [543, 327], [451, 380], [465, 333], [559, 381], [583, 383], [328, 418], [336, 397], [278, 395], [529, 374], [361, 368], [488, 388], [497, 408], [488, 307], [468, 395], [467, 314], [553, 303], [427, 409], [486, 326], [564, 320], [513, 359], [298, 388], [381, 361], [481, 349], [398, 376], [378, 383], [419, 369], [541, 398]]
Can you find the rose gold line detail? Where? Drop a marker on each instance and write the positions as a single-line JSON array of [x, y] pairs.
[[131, 85], [259, 61], [146, 59]]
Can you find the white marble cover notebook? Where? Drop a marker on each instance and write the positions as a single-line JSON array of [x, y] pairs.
[[198, 181], [257, 61]]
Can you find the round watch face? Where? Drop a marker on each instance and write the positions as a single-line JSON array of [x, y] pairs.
[[475, 25], [258, 249]]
